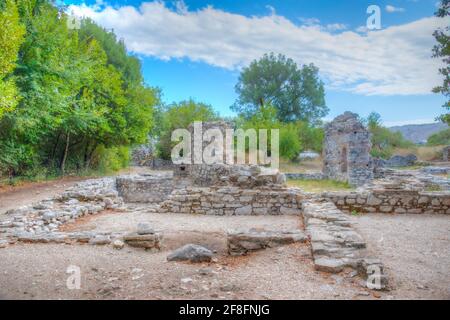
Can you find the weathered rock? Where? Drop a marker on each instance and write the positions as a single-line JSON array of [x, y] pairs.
[[192, 253], [3, 243], [147, 241], [118, 244], [100, 240], [242, 242], [144, 228], [330, 265], [401, 161]]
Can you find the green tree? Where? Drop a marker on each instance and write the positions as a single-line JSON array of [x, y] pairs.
[[181, 115], [84, 102], [11, 37], [296, 93], [442, 50], [290, 144]]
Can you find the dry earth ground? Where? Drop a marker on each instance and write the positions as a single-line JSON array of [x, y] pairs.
[[38, 271]]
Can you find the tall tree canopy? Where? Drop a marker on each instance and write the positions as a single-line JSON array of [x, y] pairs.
[[83, 96], [296, 92], [442, 50], [11, 38]]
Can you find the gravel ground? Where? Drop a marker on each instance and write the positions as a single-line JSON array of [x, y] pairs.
[[414, 248], [39, 272]]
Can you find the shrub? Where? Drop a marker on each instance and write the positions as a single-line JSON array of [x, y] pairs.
[[289, 141], [111, 159], [439, 138]]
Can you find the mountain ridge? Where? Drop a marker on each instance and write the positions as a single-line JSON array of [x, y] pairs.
[[419, 133]]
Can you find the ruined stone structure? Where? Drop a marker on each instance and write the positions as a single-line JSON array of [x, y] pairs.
[[446, 154], [346, 150], [195, 169]]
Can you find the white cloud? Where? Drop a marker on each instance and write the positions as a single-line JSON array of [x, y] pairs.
[[309, 21], [405, 122], [392, 9], [335, 27], [395, 60]]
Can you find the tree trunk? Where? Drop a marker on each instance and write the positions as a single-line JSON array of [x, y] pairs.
[[54, 149], [91, 153], [66, 150]]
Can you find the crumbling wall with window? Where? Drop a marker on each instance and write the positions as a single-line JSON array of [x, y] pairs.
[[346, 150]]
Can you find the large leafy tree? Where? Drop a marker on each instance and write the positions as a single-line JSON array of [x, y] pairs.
[[82, 95], [181, 115], [296, 92], [11, 37], [442, 50]]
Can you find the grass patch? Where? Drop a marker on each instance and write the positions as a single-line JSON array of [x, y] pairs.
[[42, 177], [433, 187], [300, 166], [319, 185]]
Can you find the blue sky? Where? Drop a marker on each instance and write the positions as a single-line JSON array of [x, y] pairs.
[[196, 48]]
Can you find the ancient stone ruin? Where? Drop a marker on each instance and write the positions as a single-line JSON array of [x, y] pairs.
[[235, 190], [346, 150], [446, 154]]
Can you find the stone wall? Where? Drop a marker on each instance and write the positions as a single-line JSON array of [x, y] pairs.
[[145, 188], [305, 176], [337, 245], [232, 201], [244, 176], [387, 201], [346, 151]]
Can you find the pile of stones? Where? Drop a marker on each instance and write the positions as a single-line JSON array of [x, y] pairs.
[[40, 222]]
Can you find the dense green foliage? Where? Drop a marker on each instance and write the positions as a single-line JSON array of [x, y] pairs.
[[11, 38], [439, 138], [83, 101], [294, 136], [179, 116], [384, 141], [442, 50], [297, 93]]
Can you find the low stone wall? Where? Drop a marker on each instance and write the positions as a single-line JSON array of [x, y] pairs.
[[233, 201], [336, 245], [40, 222], [391, 201], [241, 242], [145, 188], [244, 176], [305, 176]]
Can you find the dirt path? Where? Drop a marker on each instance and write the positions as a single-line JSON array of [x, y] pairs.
[[415, 250], [14, 197]]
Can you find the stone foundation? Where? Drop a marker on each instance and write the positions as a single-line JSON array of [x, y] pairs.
[[145, 188], [232, 201], [386, 201], [336, 245], [242, 242]]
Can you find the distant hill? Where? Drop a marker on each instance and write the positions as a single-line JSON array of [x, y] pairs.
[[419, 133]]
